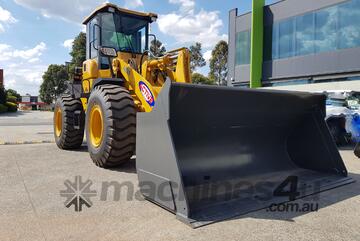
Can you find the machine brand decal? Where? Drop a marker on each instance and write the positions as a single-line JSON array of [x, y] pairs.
[[145, 91]]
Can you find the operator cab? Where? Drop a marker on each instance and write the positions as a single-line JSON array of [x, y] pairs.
[[124, 30]]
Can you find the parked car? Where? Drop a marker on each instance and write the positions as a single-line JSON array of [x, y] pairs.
[[343, 116]]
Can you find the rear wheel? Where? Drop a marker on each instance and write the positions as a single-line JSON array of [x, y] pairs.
[[69, 122], [110, 126]]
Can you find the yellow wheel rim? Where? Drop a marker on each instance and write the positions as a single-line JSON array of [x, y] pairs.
[[58, 122], [96, 126]]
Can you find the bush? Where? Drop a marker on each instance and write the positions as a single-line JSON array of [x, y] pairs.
[[12, 107], [3, 108], [11, 99]]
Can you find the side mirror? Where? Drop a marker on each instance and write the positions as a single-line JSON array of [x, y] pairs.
[[108, 52], [155, 40]]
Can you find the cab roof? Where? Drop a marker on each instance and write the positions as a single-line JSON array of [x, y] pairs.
[[105, 8]]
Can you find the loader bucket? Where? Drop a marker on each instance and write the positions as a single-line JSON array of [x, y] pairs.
[[211, 153]]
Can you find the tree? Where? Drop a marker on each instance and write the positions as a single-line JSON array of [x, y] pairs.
[[218, 63], [78, 52], [201, 79], [14, 93], [196, 59], [54, 83], [157, 48]]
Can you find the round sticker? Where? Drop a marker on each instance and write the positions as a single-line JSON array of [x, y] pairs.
[[145, 91]]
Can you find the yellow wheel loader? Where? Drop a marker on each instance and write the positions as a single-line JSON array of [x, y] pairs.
[[205, 153], [119, 78]]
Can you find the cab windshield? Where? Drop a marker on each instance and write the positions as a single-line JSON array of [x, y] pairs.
[[124, 33]]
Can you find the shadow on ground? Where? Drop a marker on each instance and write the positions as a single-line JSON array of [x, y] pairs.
[[82, 148], [128, 167], [12, 114]]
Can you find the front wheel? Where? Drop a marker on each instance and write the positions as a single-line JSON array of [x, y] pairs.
[[110, 126]]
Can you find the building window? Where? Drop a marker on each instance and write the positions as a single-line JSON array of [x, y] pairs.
[[271, 40], [286, 38], [305, 34], [325, 30], [287, 82], [243, 48], [33, 99], [245, 85], [275, 42], [349, 24]]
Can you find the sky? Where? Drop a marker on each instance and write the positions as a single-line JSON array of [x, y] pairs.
[[37, 33]]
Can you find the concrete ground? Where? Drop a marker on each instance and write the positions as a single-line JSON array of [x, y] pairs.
[[31, 208], [30, 126]]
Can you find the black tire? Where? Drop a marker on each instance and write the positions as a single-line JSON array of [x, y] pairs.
[[357, 150], [72, 123], [337, 130], [118, 112]]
